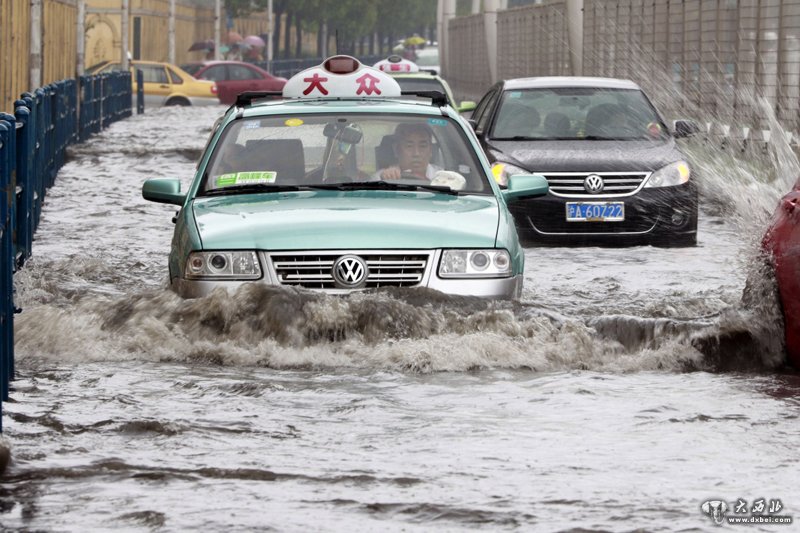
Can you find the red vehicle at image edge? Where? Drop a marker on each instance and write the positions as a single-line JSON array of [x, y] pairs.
[[234, 77], [782, 245]]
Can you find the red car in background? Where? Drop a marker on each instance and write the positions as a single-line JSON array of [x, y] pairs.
[[782, 244], [234, 77]]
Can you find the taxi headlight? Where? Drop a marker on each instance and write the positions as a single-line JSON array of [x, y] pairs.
[[222, 265], [503, 171], [673, 174], [475, 264]]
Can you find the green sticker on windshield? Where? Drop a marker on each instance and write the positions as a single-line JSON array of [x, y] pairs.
[[515, 94], [246, 178], [437, 122]]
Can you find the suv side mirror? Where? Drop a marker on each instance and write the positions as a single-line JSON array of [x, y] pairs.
[[685, 128]]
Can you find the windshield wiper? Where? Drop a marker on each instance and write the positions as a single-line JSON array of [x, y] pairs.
[[517, 138], [601, 138], [251, 188], [389, 186]]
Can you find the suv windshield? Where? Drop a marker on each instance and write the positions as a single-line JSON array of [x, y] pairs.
[[577, 113], [322, 150]]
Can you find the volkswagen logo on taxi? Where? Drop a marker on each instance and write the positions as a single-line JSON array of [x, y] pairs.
[[349, 272], [593, 184]]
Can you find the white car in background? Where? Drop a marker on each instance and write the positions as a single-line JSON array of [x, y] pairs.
[[428, 59]]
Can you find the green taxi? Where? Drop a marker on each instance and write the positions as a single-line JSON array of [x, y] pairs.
[[412, 79], [344, 184]]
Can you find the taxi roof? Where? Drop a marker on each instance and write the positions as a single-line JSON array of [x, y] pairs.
[[549, 82], [422, 106]]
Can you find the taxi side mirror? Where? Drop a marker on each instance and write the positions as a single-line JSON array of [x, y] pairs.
[[467, 105], [163, 191], [525, 186]]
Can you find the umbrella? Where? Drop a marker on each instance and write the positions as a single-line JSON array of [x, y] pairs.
[[255, 41], [415, 40], [208, 44], [234, 37]]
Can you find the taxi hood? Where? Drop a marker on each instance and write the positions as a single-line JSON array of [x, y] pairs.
[[326, 220]]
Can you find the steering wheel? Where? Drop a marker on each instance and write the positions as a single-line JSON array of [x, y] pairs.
[[338, 179], [413, 179]]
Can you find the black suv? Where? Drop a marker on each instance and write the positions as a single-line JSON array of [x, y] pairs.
[[615, 172]]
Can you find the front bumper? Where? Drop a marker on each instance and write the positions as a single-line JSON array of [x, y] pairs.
[[494, 288], [652, 215]]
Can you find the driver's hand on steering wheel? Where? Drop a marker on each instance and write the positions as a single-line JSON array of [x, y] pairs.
[[391, 173]]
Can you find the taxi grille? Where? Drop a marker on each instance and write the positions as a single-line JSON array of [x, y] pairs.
[[314, 270], [616, 183]]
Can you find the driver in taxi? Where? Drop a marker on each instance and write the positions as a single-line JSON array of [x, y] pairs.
[[413, 149]]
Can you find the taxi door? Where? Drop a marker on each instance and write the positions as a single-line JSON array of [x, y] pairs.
[[156, 84]]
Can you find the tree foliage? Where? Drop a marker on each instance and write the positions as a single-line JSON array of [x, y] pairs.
[[352, 20]]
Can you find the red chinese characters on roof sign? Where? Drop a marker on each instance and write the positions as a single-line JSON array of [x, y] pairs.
[[368, 84], [315, 82], [363, 82]]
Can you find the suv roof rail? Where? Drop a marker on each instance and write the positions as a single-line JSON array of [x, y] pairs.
[[247, 97], [438, 98]]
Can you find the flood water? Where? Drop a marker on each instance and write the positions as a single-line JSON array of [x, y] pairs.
[[626, 388]]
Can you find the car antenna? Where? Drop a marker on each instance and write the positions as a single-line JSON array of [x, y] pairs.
[[337, 41]]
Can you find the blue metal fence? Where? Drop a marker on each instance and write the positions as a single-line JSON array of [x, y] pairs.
[[33, 144]]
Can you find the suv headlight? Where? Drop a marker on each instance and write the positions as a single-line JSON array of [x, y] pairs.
[[502, 171], [673, 174], [491, 263], [222, 265]]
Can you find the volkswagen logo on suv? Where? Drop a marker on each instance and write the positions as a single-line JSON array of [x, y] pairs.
[[593, 184], [350, 272]]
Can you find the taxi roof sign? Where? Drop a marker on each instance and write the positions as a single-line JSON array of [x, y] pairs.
[[341, 77], [396, 64]]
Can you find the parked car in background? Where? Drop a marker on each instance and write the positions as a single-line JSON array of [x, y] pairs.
[[343, 186], [165, 84], [615, 172], [234, 77], [782, 246]]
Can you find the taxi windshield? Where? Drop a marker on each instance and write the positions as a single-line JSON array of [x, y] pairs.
[[347, 151], [577, 113]]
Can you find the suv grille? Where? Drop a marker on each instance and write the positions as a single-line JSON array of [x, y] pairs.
[[313, 270], [615, 183]]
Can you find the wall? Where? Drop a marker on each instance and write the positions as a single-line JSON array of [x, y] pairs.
[[468, 69], [14, 47], [102, 37], [717, 58]]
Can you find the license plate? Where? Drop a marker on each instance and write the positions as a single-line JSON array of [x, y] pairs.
[[595, 211]]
